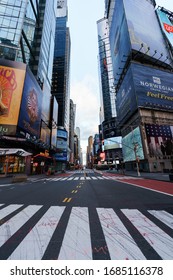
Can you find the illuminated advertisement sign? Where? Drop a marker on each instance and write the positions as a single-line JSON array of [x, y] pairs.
[[61, 144], [62, 133], [135, 27], [55, 120], [144, 30], [129, 142], [113, 143], [166, 25], [30, 111], [119, 39], [60, 155], [126, 101], [144, 86], [12, 77], [159, 139], [45, 133], [154, 88], [45, 112]]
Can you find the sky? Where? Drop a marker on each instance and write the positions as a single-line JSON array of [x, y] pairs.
[[84, 82]]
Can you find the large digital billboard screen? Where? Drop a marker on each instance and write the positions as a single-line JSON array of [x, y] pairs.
[[30, 111], [153, 87], [112, 143], [144, 30], [12, 75], [119, 39], [128, 144], [159, 139], [126, 102], [166, 25], [55, 121]]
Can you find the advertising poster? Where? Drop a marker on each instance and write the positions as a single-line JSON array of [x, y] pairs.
[[126, 102], [154, 88], [60, 155], [30, 111], [113, 143], [11, 88], [119, 39], [55, 120], [45, 113], [45, 133], [144, 29], [166, 24], [129, 142], [159, 139], [61, 144], [62, 133]]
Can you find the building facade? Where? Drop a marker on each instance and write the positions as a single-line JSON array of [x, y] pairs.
[[61, 66], [26, 62], [141, 51]]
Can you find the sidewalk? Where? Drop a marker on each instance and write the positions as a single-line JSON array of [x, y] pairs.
[[145, 175], [8, 179]]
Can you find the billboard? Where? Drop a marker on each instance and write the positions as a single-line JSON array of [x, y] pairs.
[[45, 133], [144, 86], [12, 75], [126, 102], [30, 110], [153, 87], [119, 39], [144, 30], [112, 143], [55, 121], [60, 155], [159, 140], [62, 133], [45, 112], [129, 142], [166, 25]]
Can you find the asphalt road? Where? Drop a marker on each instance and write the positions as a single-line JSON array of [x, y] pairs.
[[85, 217]]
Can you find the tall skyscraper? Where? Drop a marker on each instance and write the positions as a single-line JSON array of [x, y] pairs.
[[61, 68], [142, 51], [27, 32]]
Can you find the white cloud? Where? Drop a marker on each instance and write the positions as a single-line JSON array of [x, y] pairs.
[[85, 95]]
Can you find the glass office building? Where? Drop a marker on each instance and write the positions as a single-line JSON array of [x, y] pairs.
[[27, 30], [107, 91], [61, 68]]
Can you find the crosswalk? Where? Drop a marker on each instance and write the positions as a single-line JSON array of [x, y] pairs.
[[82, 178], [35, 232]]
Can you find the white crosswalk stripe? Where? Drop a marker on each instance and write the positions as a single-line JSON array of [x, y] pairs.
[[163, 216], [75, 178], [35, 243], [160, 241], [12, 225], [120, 244], [76, 243]]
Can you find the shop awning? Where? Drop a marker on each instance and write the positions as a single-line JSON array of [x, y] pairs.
[[18, 152]]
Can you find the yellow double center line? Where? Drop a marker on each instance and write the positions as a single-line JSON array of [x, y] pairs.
[[67, 199]]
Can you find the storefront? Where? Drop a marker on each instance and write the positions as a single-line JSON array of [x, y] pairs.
[[13, 161]]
